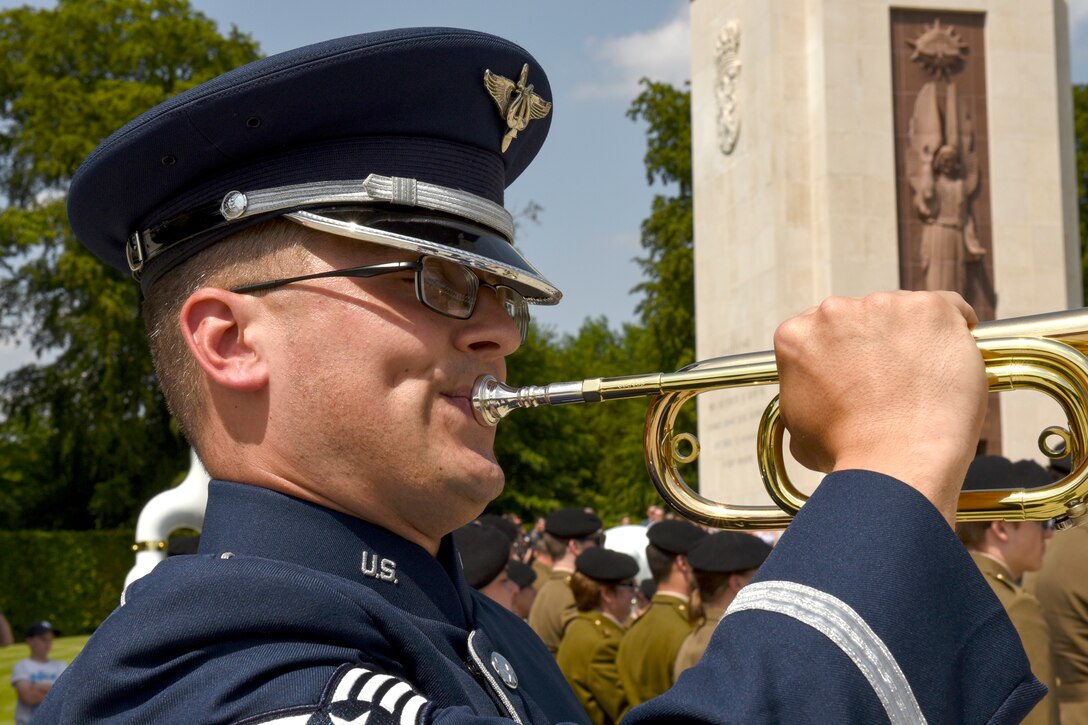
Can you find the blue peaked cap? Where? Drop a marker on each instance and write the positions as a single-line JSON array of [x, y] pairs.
[[410, 106]]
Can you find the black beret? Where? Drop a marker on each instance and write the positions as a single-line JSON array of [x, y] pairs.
[[674, 536], [1061, 466], [508, 528], [728, 551], [606, 566], [415, 118], [572, 523], [484, 551], [998, 472], [521, 574]]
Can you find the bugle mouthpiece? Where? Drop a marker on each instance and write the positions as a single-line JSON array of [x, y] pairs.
[[492, 399]]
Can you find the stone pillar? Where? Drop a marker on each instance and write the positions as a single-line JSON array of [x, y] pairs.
[[798, 195]]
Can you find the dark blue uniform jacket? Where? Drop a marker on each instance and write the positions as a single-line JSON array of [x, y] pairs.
[[869, 610]]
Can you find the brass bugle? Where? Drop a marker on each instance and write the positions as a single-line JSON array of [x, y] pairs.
[[1045, 353]]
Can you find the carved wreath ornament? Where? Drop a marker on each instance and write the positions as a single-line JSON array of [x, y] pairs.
[[727, 55]]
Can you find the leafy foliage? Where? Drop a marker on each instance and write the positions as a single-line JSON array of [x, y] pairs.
[[71, 578], [86, 432], [668, 307]]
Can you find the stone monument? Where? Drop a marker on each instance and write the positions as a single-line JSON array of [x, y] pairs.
[[847, 146]]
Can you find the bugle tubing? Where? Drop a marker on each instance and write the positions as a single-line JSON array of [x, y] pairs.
[[1044, 352]]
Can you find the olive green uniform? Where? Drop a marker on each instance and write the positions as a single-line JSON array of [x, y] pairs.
[[543, 571], [587, 658], [553, 609], [1027, 616], [648, 650], [691, 651], [1062, 588]]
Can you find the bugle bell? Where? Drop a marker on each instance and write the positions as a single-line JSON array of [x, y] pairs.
[[1044, 352]]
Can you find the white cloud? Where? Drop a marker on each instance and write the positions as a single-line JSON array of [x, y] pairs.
[[1078, 13], [660, 54]]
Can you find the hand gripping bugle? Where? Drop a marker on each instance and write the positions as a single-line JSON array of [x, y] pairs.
[[1041, 352]]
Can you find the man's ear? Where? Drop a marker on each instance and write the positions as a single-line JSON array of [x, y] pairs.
[[223, 334], [999, 529]]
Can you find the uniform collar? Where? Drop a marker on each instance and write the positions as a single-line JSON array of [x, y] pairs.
[[246, 520], [991, 566], [670, 598]]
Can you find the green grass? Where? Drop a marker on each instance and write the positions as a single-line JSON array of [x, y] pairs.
[[64, 648]]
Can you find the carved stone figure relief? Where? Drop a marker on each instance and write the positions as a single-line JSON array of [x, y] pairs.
[[727, 54], [942, 166], [942, 159]]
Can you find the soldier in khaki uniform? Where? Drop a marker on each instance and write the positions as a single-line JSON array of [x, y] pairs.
[[649, 648], [1062, 588], [523, 577], [542, 561], [1004, 551], [604, 587], [567, 533], [723, 564]]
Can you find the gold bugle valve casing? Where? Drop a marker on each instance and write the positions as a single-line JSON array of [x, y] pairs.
[[1045, 353]]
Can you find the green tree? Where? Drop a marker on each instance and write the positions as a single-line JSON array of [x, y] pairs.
[[584, 455], [667, 309], [87, 431]]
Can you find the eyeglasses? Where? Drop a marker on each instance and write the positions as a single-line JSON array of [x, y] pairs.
[[445, 287], [1049, 525]]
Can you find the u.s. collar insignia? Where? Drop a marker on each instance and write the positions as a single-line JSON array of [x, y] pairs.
[[516, 101]]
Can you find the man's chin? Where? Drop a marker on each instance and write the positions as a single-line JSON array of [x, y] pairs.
[[486, 481]]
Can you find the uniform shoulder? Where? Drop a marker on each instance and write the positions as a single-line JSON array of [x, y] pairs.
[[999, 579]]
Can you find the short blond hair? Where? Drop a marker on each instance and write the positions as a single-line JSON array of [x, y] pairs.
[[269, 250]]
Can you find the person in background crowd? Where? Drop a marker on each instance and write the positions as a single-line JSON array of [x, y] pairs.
[[1061, 587], [523, 577], [654, 514], [603, 586], [648, 650], [510, 530], [485, 558], [542, 560], [6, 637], [327, 268], [647, 588], [723, 564], [567, 533], [1004, 551], [34, 676]]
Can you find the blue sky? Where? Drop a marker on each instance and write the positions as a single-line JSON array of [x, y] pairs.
[[589, 178]]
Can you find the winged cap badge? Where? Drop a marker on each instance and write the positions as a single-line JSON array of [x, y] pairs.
[[516, 101]]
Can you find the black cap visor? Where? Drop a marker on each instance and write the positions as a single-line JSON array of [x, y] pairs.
[[439, 235]]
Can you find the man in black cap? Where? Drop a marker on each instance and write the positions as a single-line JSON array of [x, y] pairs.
[[485, 559], [1006, 550], [327, 269], [722, 564], [1061, 587], [523, 577], [649, 647], [567, 533]]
